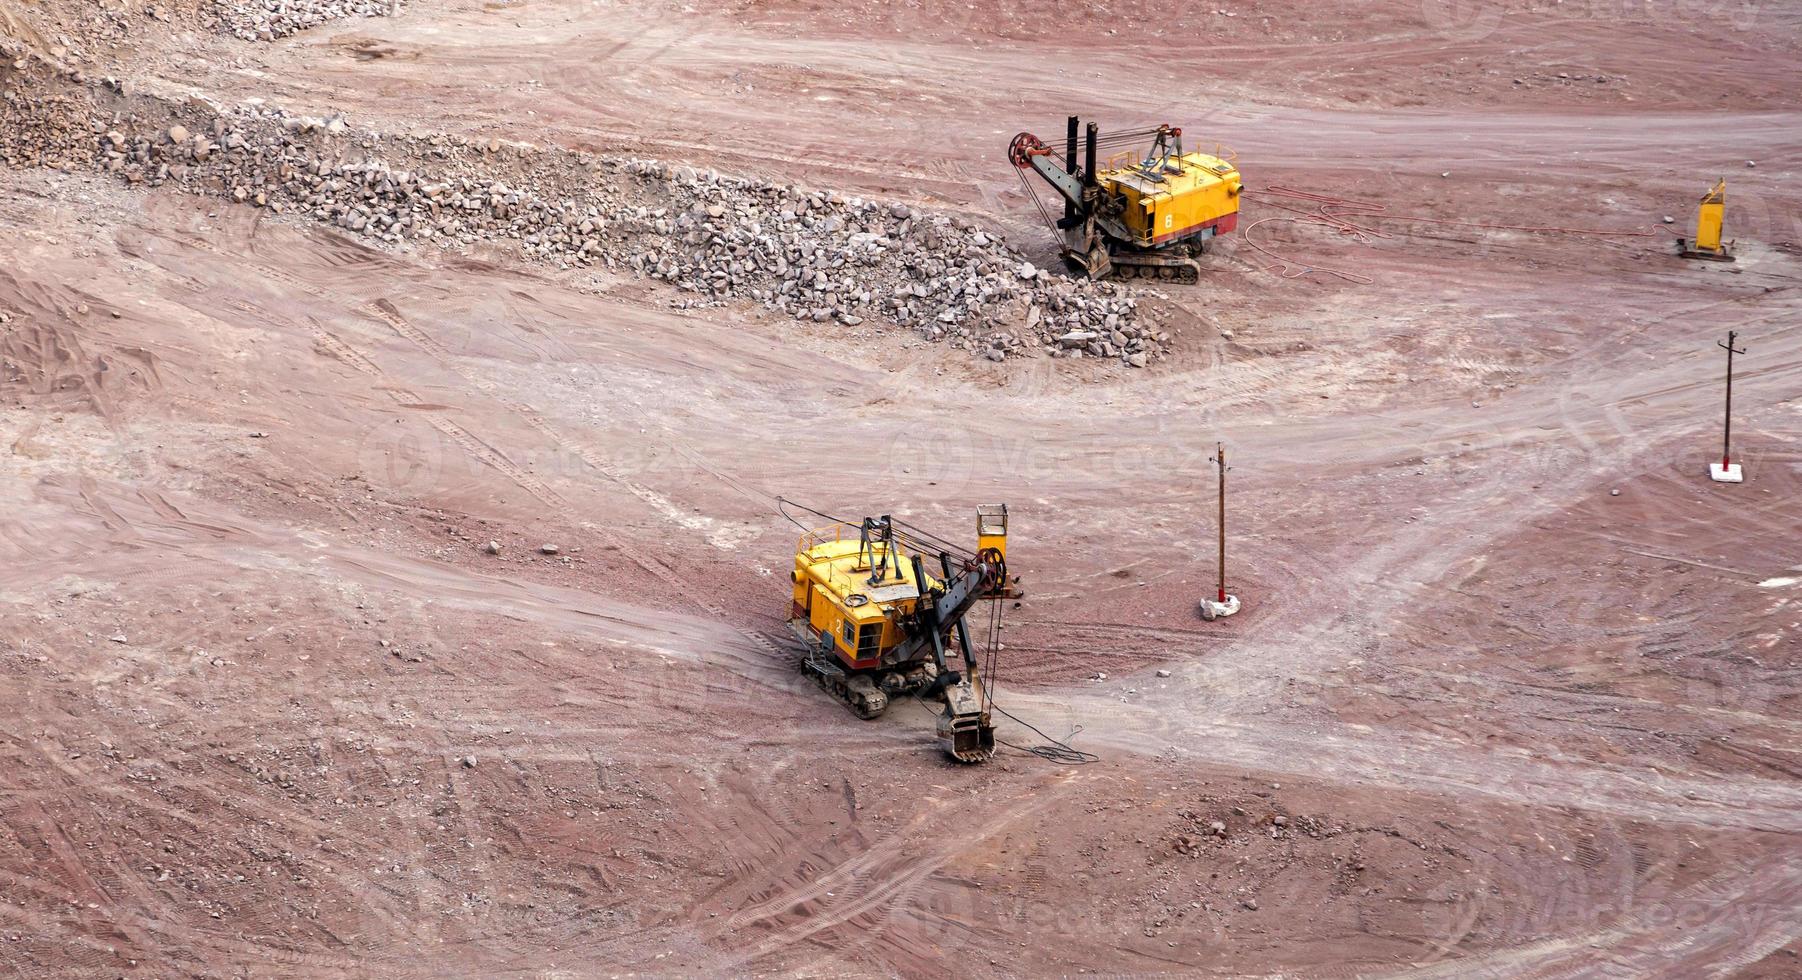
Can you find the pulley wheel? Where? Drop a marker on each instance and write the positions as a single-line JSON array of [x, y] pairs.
[[1021, 151]]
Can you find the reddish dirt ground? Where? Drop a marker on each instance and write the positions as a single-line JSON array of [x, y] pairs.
[[274, 710]]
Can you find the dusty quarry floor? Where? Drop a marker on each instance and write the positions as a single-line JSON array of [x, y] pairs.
[[1524, 687]]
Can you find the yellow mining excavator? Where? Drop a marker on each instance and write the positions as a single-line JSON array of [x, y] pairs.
[[1144, 211], [1711, 218], [879, 607]]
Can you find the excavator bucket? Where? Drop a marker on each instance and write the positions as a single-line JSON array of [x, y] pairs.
[[967, 738], [1097, 263], [964, 730]]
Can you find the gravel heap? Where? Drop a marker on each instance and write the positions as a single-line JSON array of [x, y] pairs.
[[817, 255], [813, 255], [266, 20], [41, 125]]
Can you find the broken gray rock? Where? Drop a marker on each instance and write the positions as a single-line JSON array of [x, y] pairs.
[[712, 237]]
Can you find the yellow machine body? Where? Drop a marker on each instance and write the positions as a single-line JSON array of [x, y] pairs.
[[1182, 197], [834, 595], [1710, 217], [1711, 222], [1142, 213], [991, 536], [991, 529]]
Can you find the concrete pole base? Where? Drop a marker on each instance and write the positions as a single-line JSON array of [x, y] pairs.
[[1212, 609], [1725, 473]]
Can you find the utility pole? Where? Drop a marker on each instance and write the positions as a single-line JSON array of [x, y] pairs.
[[1222, 604], [1220, 461], [1727, 471]]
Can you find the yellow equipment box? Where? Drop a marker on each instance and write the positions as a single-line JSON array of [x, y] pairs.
[[1711, 219], [1175, 197], [835, 596]]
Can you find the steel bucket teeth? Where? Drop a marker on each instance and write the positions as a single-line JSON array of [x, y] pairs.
[[968, 739]]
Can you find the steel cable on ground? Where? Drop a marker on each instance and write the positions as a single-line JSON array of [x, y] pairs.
[[1054, 751]]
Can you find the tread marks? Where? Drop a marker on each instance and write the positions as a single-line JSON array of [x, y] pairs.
[[869, 886], [385, 311]]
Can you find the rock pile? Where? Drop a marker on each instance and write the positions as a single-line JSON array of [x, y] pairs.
[[818, 256], [266, 20], [42, 125], [812, 255]]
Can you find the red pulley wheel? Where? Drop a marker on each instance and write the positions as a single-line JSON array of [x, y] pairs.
[[1021, 150]]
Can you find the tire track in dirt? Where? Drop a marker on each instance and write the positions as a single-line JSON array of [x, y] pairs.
[[386, 312], [46, 359], [127, 517], [1395, 572], [345, 353], [1709, 930], [480, 450], [475, 448], [753, 838], [882, 875], [1135, 630], [1577, 701], [145, 920], [1428, 763], [338, 348]]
